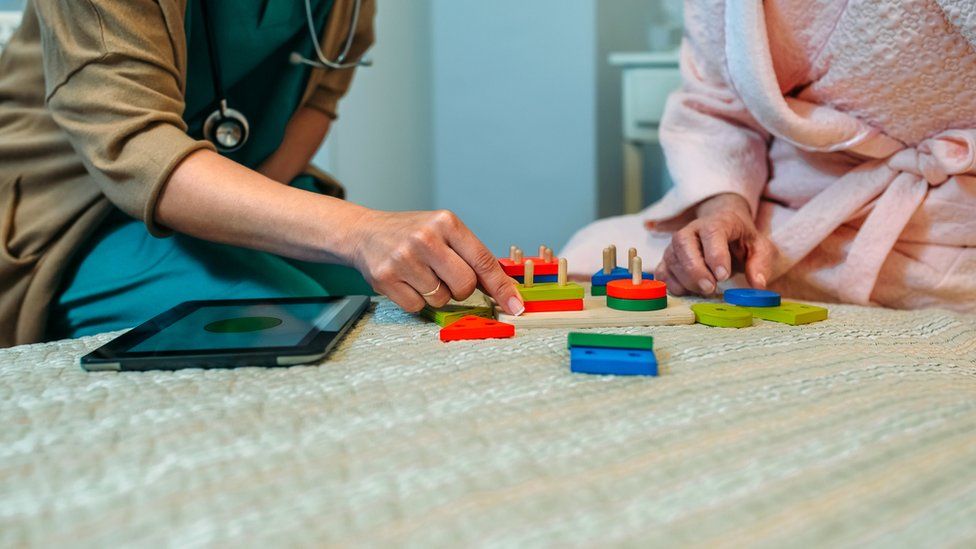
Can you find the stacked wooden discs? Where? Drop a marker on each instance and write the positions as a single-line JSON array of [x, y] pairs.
[[635, 293]]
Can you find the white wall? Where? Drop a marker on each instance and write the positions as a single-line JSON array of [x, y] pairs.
[[514, 117], [380, 146]]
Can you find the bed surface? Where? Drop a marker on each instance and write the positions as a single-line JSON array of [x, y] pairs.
[[858, 430]]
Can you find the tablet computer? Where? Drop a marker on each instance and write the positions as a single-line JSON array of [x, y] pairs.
[[231, 333]]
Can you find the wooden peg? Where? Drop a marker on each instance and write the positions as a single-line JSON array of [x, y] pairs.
[[631, 254], [518, 255], [529, 273], [607, 266], [562, 274], [548, 255], [637, 271], [613, 256], [511, 252], [542, 251]]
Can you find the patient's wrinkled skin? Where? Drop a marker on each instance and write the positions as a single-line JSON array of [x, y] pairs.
[[721, 240]]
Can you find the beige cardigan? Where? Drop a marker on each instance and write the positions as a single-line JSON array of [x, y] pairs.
[[91, 103]]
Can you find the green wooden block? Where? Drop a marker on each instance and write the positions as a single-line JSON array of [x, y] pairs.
[[598, 290], [611, 341], [551, 291], [721, 315], [449, 314], [790, 313], [637, 304]]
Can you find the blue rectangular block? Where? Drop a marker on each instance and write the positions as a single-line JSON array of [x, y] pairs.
[[617, 362], [538, 279], [618, 273]]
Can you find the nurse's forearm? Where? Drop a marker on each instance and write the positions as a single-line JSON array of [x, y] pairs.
[[303, 136], [414, 258], [213, 198]]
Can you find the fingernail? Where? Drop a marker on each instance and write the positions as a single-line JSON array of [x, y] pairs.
[[761, 281], [721, 273], [516, 306], [706, 286]]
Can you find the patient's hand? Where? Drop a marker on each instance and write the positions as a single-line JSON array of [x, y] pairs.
[[705, 251], [406, 254]]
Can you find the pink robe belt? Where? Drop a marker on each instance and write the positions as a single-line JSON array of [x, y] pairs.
[[889, 188]]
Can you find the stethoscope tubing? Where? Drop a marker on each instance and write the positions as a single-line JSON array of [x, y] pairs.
[[224, 114]]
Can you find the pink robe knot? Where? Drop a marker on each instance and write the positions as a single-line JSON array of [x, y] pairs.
[[936, 159], [889, 191]]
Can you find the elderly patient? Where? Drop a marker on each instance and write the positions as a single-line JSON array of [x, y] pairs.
[[824, 148]]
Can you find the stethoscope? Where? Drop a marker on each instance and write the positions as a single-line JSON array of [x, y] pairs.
[[227, 128]]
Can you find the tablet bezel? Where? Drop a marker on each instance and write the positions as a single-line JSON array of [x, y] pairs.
[[315, 343]]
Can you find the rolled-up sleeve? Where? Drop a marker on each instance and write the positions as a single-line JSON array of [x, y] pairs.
[[711, 142], [333, 84], [114, 87]]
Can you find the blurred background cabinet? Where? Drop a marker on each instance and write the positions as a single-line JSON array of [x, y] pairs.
[[648, 79]]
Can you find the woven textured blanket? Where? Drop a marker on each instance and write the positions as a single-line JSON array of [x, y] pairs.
[[860, 430]]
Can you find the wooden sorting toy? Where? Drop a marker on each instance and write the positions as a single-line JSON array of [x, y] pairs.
[[790, 313], [448, 314], [475, 327], [538, 278], [637, 304], [619, 362], [634, 294], [596, 314], [612, 354], [514, 265], [613, 341], [551, 296], [554, 305], [721, 315], [646, 289], [750, 297], [611, 272]]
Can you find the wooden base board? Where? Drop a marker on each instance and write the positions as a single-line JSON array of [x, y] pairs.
[[596, 314]]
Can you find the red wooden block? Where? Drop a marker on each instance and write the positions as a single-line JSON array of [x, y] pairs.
[[551, 306], [475, 327], [647, 289], [541, 266]]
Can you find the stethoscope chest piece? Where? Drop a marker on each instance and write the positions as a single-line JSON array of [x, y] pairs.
[[226, 128]]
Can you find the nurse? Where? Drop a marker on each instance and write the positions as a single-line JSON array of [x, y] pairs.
[[125, 121]]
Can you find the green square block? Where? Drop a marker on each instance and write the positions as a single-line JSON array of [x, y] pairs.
[[637, 304], [790, 313], [598, 290], [551, 291], [611, 341], [449, 314]]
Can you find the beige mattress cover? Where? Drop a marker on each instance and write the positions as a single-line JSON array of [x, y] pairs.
[[858, 430]]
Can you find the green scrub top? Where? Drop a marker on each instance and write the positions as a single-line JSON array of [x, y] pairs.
[[149, 275], [254, 40]]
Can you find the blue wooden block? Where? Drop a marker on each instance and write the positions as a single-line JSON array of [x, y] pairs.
[[749, 297], [538, 279], [618, 273], [617, 362]]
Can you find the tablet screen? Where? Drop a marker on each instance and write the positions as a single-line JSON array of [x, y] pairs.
[[251, 326]]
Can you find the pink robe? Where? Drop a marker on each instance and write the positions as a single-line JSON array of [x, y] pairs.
[[848, 126]]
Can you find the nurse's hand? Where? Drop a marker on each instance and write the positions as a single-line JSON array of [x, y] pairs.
[[722, 238], [404, 255]]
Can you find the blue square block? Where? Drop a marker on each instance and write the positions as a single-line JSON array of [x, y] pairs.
[[617, 362], [618, 273], [538, 279]]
